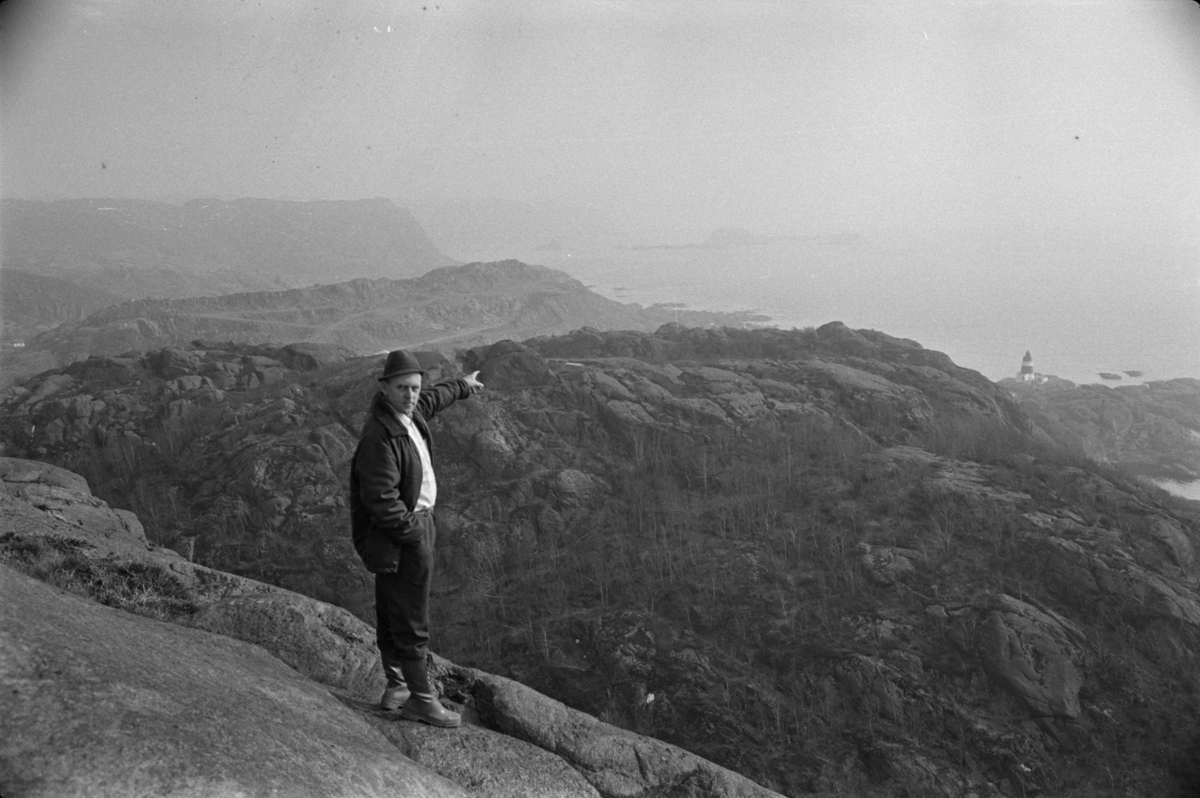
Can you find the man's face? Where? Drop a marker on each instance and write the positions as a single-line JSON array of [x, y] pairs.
[[402, 392]]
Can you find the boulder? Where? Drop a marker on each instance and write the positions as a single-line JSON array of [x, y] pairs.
[[844, 340], [1169, 534], [15, 471], [169, 363], [309, 356], [40, 499], [618, 763], [872, 685], [1030, 652], [621, 417], [887, 565], [99, 370], [335, 442], [609, 387], [49, 386], [573, 487], [492, 451], [507, 364], [321, 641]]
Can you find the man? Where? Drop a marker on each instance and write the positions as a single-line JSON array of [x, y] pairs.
[[392, 494]]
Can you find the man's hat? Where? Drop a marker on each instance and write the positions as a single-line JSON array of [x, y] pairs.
[[400, 362]]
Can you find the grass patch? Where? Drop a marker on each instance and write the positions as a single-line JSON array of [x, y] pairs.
[[134, 587]]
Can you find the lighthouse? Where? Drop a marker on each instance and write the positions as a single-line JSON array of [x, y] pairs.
[[1026, 372]]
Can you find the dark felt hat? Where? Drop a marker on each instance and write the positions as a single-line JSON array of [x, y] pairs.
[[400, 362]]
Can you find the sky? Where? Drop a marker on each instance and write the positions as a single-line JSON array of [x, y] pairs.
[[1040, 153]]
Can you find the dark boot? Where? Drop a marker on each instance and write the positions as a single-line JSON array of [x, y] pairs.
[[423, 705], [396, 692]]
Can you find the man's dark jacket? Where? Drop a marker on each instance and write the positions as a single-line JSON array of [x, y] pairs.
[[385, 476]]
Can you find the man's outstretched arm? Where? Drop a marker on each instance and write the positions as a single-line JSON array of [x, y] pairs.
[[437, 398]]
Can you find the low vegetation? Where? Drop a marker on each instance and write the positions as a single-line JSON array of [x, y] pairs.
[[799, 597], [139, 589], [742, 554]]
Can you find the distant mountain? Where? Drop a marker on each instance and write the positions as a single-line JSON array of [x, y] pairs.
[[136, 249], [735, 236], [449, 307], [726, 237], [33, 303]]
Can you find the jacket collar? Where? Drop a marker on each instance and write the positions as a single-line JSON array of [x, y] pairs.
[[389, 418], [386, 415]]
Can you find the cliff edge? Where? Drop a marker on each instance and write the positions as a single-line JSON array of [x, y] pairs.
[[127, 670]]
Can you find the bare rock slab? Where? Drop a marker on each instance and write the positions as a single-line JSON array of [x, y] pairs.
[[1030, 651], [618, 763], [485, 762], [95, 701], [323, 642]]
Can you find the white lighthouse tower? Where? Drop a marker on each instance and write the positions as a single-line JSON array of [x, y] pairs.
[[1026, 372]]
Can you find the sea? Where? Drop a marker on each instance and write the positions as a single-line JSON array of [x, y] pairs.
[[1186, 490], [952, 300]]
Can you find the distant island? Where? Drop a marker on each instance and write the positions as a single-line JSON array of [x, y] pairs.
[[725, 237], [1108, 375]]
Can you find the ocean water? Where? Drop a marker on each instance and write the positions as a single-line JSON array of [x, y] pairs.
[[1188, 490], [1075, 319]]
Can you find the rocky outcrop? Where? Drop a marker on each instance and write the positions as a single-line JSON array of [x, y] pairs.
[[828, 559], [1151, 429], [233, 695], [323, 642], [97, 701], [1031, 651], [616, 762], [508, 364], [449, 307], [486, 763], [875, 379], [38, 497]]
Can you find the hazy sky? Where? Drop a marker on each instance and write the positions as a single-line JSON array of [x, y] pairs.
[[781, 115], [1055, 126]]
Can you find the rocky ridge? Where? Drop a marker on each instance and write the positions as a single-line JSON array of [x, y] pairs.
[[830, 560], [445, 308], [251, 689], [33, 303], [1151, 429]]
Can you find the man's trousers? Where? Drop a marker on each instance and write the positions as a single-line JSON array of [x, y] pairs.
[[402, 599]]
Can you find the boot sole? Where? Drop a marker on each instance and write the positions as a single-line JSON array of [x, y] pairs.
[[454, 724]]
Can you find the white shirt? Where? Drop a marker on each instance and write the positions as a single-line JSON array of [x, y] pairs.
[[428, 493]]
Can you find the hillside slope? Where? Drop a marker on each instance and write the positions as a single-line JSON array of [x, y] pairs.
[[449, 307], [1151, 429], [831, 560], [33, 303], [247, 689]]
